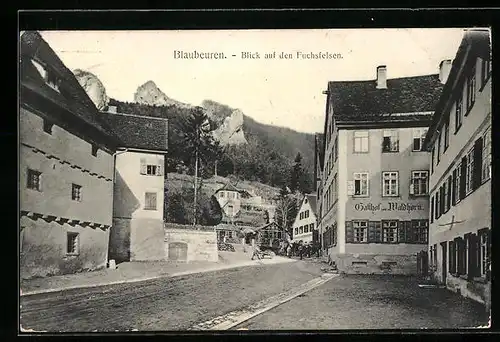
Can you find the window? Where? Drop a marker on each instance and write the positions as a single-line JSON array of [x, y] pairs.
[[390, 141], [448, 196], [389, 231], [458, 114], [361, 141], [452, 262], [420, 229], [438, 142], [306, 228], [301, 216], [311, 227], [418, 138], [150, 202], [151, 170], [230, 234], [306, 213], [72, 247], [360, 231], [470, 169], [48, 75], [296, 231], [361, 184], [390, 184], [445, 197], [471, 89], [76, 192], [230, 210], [432, 159], [47, 126], [486, 162], [485, 71], [484, 251], [301, 229], [438, 203], [419, 181], [458, 178], [94, 150], [221, 194], [446, 133], [34, 178]]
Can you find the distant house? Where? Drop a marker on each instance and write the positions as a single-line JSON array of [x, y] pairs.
[[66, 168], [229, 198], [268, 235], [138, 207], [304, 227]]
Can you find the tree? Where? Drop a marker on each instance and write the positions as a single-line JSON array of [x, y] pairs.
[[197, 143], [286, 210], [299, 180]]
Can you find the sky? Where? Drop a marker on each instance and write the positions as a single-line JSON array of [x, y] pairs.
[[281, 92]]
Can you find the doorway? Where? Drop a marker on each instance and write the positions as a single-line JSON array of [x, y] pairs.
[[444, 262]]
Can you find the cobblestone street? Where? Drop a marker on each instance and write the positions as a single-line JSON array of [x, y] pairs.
[[372, 302]]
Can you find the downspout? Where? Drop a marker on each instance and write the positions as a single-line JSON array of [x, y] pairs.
[[113, 196]]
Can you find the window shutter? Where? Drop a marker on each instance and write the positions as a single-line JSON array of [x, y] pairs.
[[372, 231], [442, 199], [461, 254], [159, 170], [410, 232], [451, 245], [436, 207], [472, 262], [448, 199], [143, 166], [453, 189], [478, 163], [378, 231], [401, 232], [349, 232], [463, 178], [432, 209]]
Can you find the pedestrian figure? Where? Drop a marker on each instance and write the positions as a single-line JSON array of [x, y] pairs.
[[256, 250], [289, 251], [301, 249]]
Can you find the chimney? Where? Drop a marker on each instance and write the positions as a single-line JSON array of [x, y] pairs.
[[382, 77], [444, 70], [112, 109]]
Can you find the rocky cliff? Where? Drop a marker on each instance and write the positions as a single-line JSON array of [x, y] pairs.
[[150, 94], [94, 88], [231, 132]]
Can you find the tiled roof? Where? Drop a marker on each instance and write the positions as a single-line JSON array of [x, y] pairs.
[[228, 187], [311, 198], [140, 132], [320, 151], [361, 101], [71, 96], [478, 40]]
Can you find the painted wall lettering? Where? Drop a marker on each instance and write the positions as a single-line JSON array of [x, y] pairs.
[[391, 206]]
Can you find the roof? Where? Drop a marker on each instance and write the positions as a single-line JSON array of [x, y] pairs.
[[71, 96], [229, 187], [271, 225], [477, 41], [405, 99], [311, 198], [139, 132], [320, 151]]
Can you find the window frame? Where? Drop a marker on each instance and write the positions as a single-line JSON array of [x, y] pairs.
[[364, 231], [38, 174], [396, 180], [361, 138], [390, 133], [459, 112], [485, 72], [469, 176], [486, 156], [471, 84], [146, 206], [76, 243], [412, 182], [419, 134], [76, 196], [446, 128], [394, 231], [360, 175], [457, 182]]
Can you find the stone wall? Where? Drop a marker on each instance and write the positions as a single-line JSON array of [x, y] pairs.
[[376, 264], [43, 248], [183, 243]]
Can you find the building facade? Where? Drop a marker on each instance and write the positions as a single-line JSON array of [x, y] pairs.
[[139, 187], [374, 216], [66, 168], [305, 223], [459, 142], [318, 185]]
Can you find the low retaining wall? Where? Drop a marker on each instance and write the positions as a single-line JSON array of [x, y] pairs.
[[186, 243], [376, 264]]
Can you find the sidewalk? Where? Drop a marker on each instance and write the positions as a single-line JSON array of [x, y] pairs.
[[129, 272]]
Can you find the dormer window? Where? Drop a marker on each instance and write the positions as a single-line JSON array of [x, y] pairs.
[[48, 75]]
